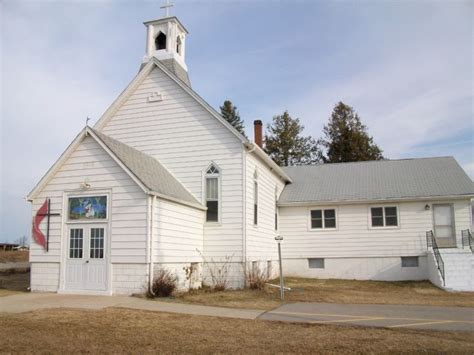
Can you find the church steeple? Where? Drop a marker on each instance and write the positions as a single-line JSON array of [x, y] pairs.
[[166, 41]]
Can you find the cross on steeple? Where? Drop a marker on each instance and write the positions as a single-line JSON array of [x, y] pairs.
[[167, 7]]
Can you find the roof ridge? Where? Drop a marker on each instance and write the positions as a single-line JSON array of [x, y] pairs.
[[367, 161]]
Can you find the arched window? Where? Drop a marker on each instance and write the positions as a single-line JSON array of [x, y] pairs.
[[178, 45], [160, 41], [212, 193], [255, 198]]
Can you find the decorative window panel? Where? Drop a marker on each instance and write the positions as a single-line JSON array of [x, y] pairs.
[[97, 243], [76, 242], [87, 208]]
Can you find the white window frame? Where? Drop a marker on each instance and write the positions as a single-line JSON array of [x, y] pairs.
[[322, 209], [219, 191], [383, 216], [89, 192]]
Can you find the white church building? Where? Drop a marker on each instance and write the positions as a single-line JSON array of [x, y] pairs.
[[163, 181]]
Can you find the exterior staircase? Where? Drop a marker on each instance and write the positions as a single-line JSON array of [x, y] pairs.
[[451, 268]]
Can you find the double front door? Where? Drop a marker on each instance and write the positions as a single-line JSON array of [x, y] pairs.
[[86, 261], [444, 230]]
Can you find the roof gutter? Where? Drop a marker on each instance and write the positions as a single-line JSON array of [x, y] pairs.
[[177, 200], [353, 202], [253, 148]]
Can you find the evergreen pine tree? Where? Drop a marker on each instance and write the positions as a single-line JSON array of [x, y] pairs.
[[285, 144], [231, 115], [346, 138]]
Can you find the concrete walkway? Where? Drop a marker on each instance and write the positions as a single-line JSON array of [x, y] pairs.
[[26, 302], [387, 316]]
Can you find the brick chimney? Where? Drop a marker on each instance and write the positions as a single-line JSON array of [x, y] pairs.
[[257, 132]]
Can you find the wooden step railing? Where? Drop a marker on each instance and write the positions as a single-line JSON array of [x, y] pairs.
[[431, 242]]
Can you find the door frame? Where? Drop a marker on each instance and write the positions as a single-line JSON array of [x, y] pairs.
[[451, 206], [65, 239]]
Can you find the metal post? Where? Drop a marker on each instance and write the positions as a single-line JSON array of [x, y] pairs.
[[279, 238], [47, 226], [282, 287]]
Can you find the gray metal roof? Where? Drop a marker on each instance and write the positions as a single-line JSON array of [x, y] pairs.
[[148, 170], [377, 180]]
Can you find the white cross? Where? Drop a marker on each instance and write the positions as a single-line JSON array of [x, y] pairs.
[[167, 7]]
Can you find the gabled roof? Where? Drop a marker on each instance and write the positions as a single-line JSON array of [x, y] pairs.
[[145, 70], [377, 180], [145, 170]]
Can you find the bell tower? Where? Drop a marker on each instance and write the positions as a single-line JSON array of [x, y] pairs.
[[166, 41]]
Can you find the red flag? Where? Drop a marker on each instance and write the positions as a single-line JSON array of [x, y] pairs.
[[38, 236]]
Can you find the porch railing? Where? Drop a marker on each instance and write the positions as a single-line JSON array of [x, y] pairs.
[[467, 240], [431, 242]]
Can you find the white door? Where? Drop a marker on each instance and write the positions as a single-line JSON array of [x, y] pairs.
[[444, 226], [86, 262]]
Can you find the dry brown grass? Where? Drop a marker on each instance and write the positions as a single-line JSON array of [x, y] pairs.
[[9, 256], [137, 332], [333, 291], [13, 282]]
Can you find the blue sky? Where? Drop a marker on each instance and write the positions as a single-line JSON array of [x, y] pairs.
[[405, 66]]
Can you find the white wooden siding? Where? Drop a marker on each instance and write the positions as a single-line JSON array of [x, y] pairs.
[[354, 237], [89, 162], [260, 240], [185, 138], [178, 233]]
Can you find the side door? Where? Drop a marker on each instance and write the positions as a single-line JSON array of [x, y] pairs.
[[444, 229], [95, 277]]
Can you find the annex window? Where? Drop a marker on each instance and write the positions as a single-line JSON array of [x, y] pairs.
[[160, 41], [384, 216], [212, 193], [316, 263], [323, 219], [255, 198], [409, 261]]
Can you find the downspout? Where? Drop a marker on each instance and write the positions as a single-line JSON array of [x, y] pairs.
[[244, 214], [151, 207]]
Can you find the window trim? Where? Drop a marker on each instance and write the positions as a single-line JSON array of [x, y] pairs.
[[369, 216], [219, 191], [89, 192], [322, 209]]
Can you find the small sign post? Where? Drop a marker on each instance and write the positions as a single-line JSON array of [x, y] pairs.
[[279, 238]]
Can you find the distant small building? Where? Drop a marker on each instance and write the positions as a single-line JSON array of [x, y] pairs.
[[8, 246]]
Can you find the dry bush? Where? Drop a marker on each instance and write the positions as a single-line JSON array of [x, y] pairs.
[[219, 272], [256, 277], [164, 284]]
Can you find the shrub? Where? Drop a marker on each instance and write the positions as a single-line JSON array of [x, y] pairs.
[[256, 277], [218, 271], [164, 284]]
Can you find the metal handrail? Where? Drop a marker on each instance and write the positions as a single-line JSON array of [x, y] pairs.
[[467, 240], [431, 242]]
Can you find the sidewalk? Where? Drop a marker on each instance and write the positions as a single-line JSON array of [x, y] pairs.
[[372, 315], [26, 302]]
